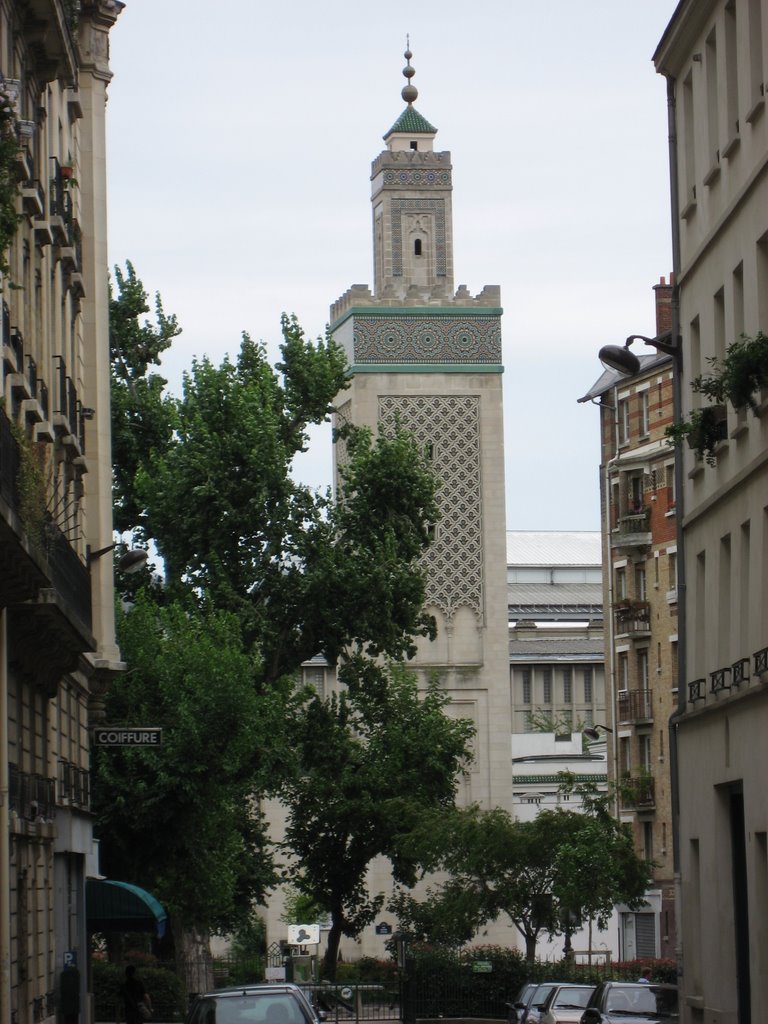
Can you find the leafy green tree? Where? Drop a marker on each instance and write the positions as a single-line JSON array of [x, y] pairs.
[[142, 414], [369, 762], [304, 573], [280, 573], [539, 873], [179, 818]]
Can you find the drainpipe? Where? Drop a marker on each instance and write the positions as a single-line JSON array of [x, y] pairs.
[[677, 411], [5, 831]]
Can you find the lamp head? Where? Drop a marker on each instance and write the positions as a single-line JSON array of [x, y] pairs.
[[133, 560], [619, 358]]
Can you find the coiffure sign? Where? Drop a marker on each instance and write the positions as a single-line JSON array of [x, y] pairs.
[[121, 737]]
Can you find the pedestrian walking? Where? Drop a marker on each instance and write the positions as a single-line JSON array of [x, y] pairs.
[[136, 999]]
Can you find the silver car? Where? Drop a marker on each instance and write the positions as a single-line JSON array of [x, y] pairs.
[[565, 1004], [253, 1004]]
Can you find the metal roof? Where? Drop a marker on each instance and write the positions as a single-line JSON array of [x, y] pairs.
[[574, 599], [553, 547], [543, 648]]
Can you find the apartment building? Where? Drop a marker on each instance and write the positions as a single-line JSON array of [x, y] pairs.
[[639, 509], [713, 55], [57, 644]]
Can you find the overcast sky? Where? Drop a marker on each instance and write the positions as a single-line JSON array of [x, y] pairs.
[[240, 139]]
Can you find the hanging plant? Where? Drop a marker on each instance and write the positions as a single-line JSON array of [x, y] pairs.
[[31, 484], [739, 375], [703, 431], [9, 218]]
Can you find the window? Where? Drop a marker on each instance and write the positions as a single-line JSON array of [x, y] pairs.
[[315, 677], [414, 144], [648, 852], [644, 743], [587, 685], [669, 481], [526, 674], [547, 681], [640, 587], [624, 421], [672, 561], [688, 146], [567, 686], [623, 672], [645, 416], [642, 668], [417, 247], [731, 75], [713, 102], [755, 34], [621, 583]]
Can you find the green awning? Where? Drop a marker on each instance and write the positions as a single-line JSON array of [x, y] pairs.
[[122, 907]]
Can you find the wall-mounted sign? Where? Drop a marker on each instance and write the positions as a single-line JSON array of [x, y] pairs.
[[303, 934], [482, 966], [382, 928], [121, 737]]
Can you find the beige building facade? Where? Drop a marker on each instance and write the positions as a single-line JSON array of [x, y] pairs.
[[57, 643], [428, 355], [715, 58]]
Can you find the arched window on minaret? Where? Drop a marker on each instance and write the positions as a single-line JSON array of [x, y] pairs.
[[417, 247]]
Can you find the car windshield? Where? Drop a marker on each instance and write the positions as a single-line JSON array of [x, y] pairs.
[[540, 995], [242, 1008], [570, 998], [642, 1000]]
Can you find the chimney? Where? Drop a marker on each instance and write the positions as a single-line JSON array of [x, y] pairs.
[[664, 305]]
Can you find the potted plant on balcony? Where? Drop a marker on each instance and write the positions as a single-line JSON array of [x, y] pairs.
[[703, 431], [739, 375]]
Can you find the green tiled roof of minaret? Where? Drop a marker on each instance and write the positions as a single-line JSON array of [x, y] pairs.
[[411, 121]]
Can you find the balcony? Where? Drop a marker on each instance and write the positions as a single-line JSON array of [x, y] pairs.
[[31, 796], [74, 785], [632, 618], [633, 530], [638, 792], [33, 197], [635, 706]]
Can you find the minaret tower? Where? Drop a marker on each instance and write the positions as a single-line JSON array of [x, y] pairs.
[[429, 357]]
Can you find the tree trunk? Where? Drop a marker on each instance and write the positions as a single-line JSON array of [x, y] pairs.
[[530, 946], [332, 949], [194, 962]]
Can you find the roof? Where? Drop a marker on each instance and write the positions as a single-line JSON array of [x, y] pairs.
[[553, 547], [543, 648], [577, 600], [410, 122]]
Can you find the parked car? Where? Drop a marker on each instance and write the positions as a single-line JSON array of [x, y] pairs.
[[565, 1004], [253, 1004], [521, 1001], [631, 1003], [532, 1014]]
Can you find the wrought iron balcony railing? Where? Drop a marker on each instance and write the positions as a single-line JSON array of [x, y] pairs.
[[638, 792], [31, 796], [635, 705], [74, 785]]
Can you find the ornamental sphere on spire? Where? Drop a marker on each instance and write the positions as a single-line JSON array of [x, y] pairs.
[[410, 92]]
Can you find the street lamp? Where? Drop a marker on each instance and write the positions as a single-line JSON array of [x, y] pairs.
[[131, 561], [591, 731]]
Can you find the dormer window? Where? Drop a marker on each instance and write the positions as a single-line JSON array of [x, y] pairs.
[[414, 144], [417, 247]]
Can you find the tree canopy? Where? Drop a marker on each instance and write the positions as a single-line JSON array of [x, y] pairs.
[[541, 873], [369, 763], [260, 574]]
